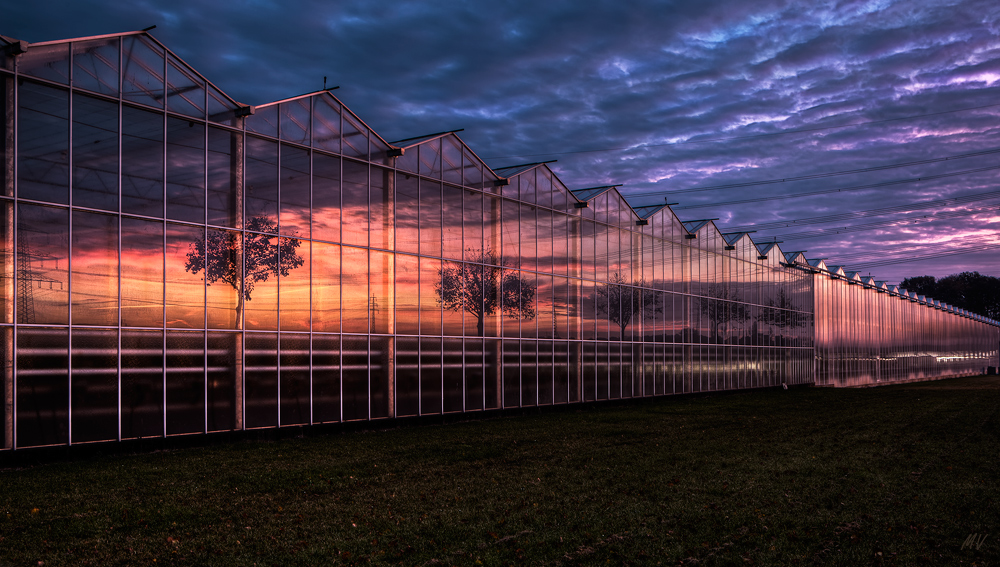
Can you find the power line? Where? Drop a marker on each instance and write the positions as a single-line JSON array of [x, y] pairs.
[[818, 175], [748, 137], [869, 226], [843, 189], [870, 212], [954, 252]]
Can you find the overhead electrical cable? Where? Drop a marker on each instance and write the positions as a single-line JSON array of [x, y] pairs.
[[747, 137], [975, 197], [954, 252], [908, 221], [842, 189], [817, 175]]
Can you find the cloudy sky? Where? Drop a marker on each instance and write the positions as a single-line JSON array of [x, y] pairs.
[[825, 125]]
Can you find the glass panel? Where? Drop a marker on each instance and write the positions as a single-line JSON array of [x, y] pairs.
[[355, 376], [407, 376], [451, 235], [225, 166], [7, 113], [325, 287], [262, 185], [43, 143], [142, 384], [294, 192], [326, 198], [472, 169], [262, 266], [381, 368], [493, 381], [380, 300], [430, 376], [589, 364], [260, 390], [380, 215], [222, 110], [43, 265], [451, 159], [264, 121], [430, 158], [185, 382], [42, 386], [326, 378], [185, 294], [95, 66], [407, 217], [94, 385], [142, 71], [354, 290], [95, 269], [95, 153], [544, 189], [49, 62], [453, 375], [511, 374], [294, 117], [293, 267], [458, 289], [545, 383], [406, 294], [326, 123], [474, 374], [430, 307], [355, 137], [472, 240], [7, 266], [430, 218], [142, 162], [355, 207], [185, 170], [185, 91], [565, 378], [225, 369], [223, 275]]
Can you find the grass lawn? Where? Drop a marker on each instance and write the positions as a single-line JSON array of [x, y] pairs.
[[896, 475]]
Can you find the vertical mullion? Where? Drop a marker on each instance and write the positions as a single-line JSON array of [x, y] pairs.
[[121, 128], [69, 260], [312, 111], [163, 321], [277, 280], [15, 93]]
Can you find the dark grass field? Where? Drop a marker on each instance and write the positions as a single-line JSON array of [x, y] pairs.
[[897, 475]]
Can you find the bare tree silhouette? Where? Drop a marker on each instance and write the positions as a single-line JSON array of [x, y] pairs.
[[482, 290], [782, 313], [222, 257], [720, 313], [620, 302]]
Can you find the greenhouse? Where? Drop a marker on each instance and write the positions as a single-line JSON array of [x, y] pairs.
[[176, 262]]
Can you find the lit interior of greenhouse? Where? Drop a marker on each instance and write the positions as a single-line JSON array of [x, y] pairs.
[[176, 262]]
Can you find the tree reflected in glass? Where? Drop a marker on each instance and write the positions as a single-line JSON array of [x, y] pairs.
[[620, 303], [482, 290], [223, 259]]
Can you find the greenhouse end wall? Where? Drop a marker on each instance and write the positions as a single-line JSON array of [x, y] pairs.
[[175, 262]]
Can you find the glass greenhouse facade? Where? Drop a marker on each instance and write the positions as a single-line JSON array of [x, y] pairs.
[[175, 262]]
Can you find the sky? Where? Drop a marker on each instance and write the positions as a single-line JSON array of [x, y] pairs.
[[861, 132]]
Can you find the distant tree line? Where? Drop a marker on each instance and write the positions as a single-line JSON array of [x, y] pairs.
[[969, 290]]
